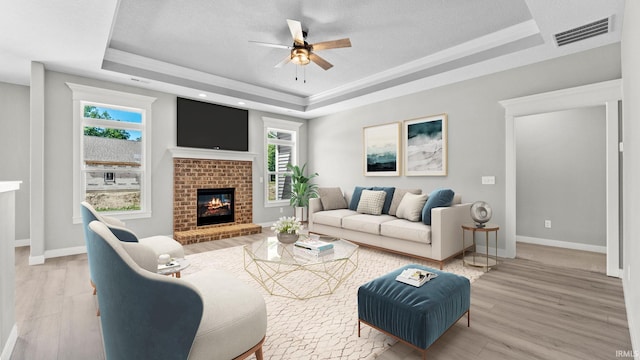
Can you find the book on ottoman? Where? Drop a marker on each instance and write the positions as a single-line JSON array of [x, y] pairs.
[[415, 277]]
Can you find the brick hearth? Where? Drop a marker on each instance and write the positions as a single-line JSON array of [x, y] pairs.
[[192, 174]]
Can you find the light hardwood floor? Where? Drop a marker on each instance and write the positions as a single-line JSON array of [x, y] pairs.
[[524, 309]]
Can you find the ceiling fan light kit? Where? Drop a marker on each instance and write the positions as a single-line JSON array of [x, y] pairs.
[[302, 53], [300, 56]]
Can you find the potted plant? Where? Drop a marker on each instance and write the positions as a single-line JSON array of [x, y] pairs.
[[301, 190], [287, 229]]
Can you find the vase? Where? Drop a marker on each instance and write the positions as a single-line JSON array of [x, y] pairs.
[[287, 238]]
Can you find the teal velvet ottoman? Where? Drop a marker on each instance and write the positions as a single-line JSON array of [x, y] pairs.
[[416, 316]]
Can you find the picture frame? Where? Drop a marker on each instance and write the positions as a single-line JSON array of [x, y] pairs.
[[382, 149], [425, 146]]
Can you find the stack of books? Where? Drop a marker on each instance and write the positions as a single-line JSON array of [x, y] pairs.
[[415, 277], [312, 247]]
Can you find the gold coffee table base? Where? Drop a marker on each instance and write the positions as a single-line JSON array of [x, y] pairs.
[[281, 273]]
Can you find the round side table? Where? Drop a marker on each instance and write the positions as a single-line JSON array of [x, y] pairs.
[[475, 258]]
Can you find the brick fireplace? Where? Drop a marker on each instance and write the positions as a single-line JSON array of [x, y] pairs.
[[191, 174]]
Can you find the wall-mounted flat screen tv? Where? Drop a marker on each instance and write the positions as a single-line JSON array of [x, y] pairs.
[[210, 126]]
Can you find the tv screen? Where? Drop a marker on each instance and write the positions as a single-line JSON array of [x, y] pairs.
[[210, 126]]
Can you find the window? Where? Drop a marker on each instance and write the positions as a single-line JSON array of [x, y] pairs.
[[281, 149], [111, 152]]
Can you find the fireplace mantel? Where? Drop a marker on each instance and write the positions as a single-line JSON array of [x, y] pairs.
[[194, 153]]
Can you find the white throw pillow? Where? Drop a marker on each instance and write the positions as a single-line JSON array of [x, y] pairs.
[[397, 197], [371, 202], [411, 205]]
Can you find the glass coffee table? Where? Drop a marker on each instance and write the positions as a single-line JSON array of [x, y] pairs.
[[288, 273]]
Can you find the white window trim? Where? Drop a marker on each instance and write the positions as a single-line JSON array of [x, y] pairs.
[[283, 125], [114, 99]]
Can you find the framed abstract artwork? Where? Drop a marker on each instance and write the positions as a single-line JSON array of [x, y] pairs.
[[425, 146], [382, 150]]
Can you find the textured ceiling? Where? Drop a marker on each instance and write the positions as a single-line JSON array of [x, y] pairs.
[[213, 36], [202, 47]]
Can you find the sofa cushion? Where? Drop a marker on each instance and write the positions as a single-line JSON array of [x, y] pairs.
[[398, 194], [411, 206], [234, 317], [332, 217], [387, 200], [332, 198], [371, 202], [161, 244], [142, 255], [437, 198], [355, 197], [366, 223], [407, 230]]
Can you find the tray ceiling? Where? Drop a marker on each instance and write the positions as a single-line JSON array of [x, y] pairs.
[[202, 46]]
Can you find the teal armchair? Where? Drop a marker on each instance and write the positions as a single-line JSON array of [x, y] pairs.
[[144, 315]]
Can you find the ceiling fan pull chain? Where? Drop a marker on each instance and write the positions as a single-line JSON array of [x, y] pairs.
[[296, 72], [304, 74]]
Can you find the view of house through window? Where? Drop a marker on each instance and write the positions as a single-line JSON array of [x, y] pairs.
[[112, 156], [280, 153]]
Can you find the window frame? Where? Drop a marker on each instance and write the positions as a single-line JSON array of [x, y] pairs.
[[283, 125], [84, 95]]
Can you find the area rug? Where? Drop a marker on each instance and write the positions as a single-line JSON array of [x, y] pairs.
[[324, 327]]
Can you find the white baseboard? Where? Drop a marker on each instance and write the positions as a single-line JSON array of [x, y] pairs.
[[36, 260], [267, 224], [22, 242], [631, 308], [7, 350], [562, 244], [48, 254]]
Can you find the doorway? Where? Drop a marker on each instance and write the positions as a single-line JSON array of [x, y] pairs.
[[607, 94]]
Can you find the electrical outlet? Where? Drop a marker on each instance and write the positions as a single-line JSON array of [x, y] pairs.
[[547, 224], [488, 180]]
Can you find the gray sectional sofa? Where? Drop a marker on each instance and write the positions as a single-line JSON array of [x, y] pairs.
[[439, 241]]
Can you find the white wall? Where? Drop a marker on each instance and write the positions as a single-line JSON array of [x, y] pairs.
[[8, 327], [14, 148], [560, 176], [631, 167], [476, 126]]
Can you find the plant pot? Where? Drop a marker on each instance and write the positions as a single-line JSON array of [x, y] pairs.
[[301, 213], [287, 238]]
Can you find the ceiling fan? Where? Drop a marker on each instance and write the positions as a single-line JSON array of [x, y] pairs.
[[301, 51]]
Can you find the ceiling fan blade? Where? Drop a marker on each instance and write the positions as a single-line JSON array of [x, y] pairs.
[[271, 45], [296, 31], [284, 61], [333, 44], [320, 61]]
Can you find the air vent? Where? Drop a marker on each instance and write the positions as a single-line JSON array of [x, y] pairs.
[[583, 32]]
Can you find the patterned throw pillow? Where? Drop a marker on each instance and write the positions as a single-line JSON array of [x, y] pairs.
[[355, 198], [371, 202], [411, 206]]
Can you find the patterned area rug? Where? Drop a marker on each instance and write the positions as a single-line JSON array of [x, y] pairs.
[[324, 327]]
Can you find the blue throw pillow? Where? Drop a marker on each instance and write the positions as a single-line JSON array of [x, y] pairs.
[[437, 198], [355, 198], [387, 200]]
